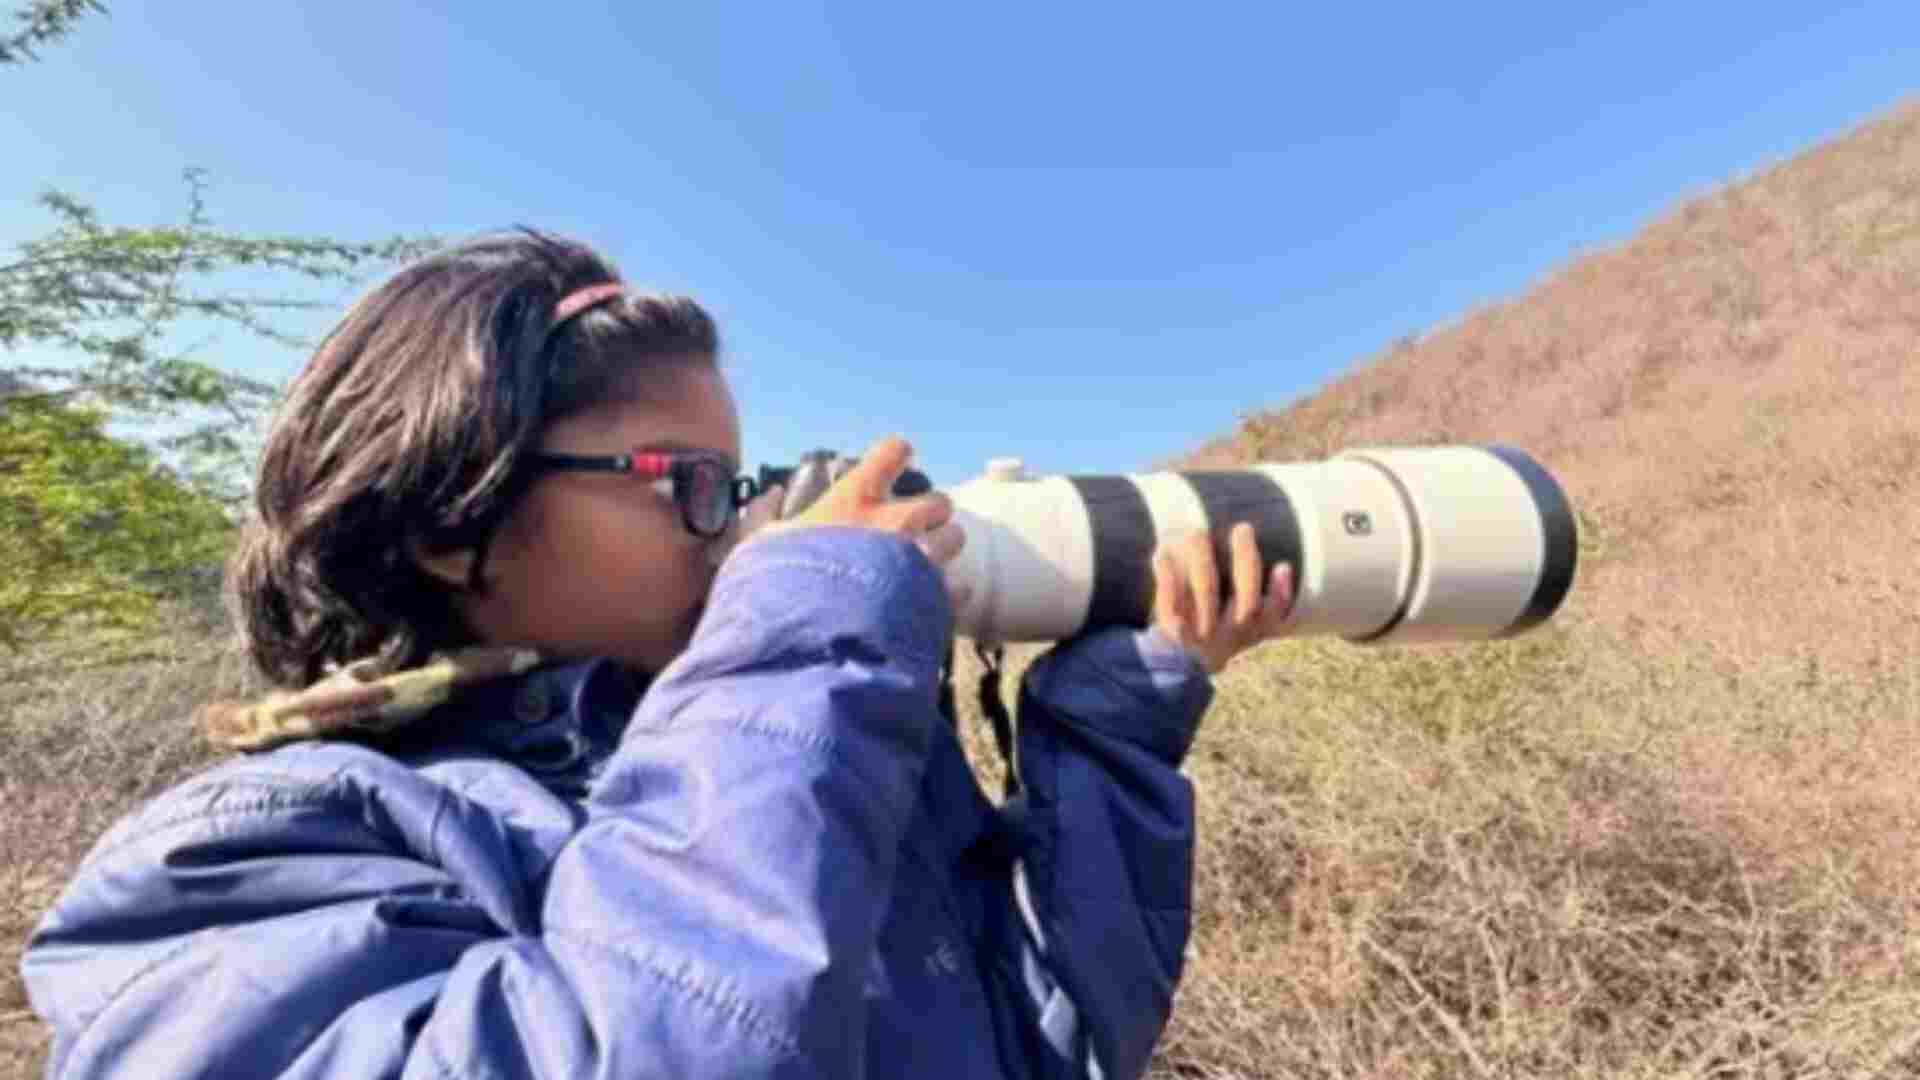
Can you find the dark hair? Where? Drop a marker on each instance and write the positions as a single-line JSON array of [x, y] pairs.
[[412, 421]]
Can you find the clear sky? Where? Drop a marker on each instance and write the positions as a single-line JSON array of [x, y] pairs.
[[1088, 235]]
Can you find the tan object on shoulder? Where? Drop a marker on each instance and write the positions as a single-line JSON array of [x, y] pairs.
[[354, 699]]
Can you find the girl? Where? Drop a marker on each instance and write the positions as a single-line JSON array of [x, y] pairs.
[[574, 775]]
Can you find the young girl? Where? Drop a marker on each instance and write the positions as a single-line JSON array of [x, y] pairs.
[[570, 778]]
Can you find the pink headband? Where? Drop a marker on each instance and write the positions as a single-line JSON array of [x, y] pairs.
[[580, 300]]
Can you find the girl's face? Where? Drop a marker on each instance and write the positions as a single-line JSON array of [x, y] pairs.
[[600, 564]]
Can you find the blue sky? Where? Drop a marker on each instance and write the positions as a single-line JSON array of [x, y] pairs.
[[1088, 235]]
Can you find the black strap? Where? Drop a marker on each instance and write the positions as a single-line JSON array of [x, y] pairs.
[[1003, 839], [946, 690], [987, 691], [992, 665]]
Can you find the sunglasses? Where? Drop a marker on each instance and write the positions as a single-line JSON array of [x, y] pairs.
[[701, 483]]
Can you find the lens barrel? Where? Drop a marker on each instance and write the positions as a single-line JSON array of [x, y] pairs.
[[1393, 545]]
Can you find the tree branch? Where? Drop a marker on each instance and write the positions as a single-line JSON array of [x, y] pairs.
[[42, 22]]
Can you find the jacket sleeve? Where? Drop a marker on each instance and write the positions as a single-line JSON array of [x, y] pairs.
[[714, 914], [1106, 874]]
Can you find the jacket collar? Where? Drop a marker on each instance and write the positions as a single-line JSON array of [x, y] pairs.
[[357, 700], [559, 722], [549, 717]]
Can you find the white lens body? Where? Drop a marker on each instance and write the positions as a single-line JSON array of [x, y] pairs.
[[1390, 545]]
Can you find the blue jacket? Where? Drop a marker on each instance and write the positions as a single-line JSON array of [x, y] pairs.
[[775, 863]]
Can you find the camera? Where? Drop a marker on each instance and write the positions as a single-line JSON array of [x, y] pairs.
[[817, 471], [1389, 545]]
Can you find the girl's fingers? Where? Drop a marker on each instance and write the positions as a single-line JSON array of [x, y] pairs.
[[1204, 578], [1246, 576], [871, 481], [919, 514], [1169, 588], [1278, 610], [943, 543]]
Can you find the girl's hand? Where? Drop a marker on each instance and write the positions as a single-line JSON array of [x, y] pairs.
[[1187, 605], [864, 498]]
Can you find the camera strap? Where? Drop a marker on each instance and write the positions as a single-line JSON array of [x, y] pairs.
[[992, 665], [992, 705]]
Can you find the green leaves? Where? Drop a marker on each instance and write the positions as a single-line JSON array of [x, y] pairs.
[[92, 532], [97, 526], [115, 298]]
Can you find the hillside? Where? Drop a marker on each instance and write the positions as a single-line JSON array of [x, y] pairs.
[[1676, 833], [1732, 398], [1672, 834]]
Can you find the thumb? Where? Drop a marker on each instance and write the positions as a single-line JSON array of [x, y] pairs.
[[873, 478]]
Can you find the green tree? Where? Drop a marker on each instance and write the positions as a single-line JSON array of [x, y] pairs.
[[96, 526], [92, 530]]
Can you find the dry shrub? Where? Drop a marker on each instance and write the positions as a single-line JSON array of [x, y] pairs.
[[1540, 858], [83, 744]]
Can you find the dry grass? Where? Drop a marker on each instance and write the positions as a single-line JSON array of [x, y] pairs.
[[1557, 856], [1549, 860], [82, 747], [1675, 834]]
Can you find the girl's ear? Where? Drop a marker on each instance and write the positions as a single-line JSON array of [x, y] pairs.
[[452, 568]]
